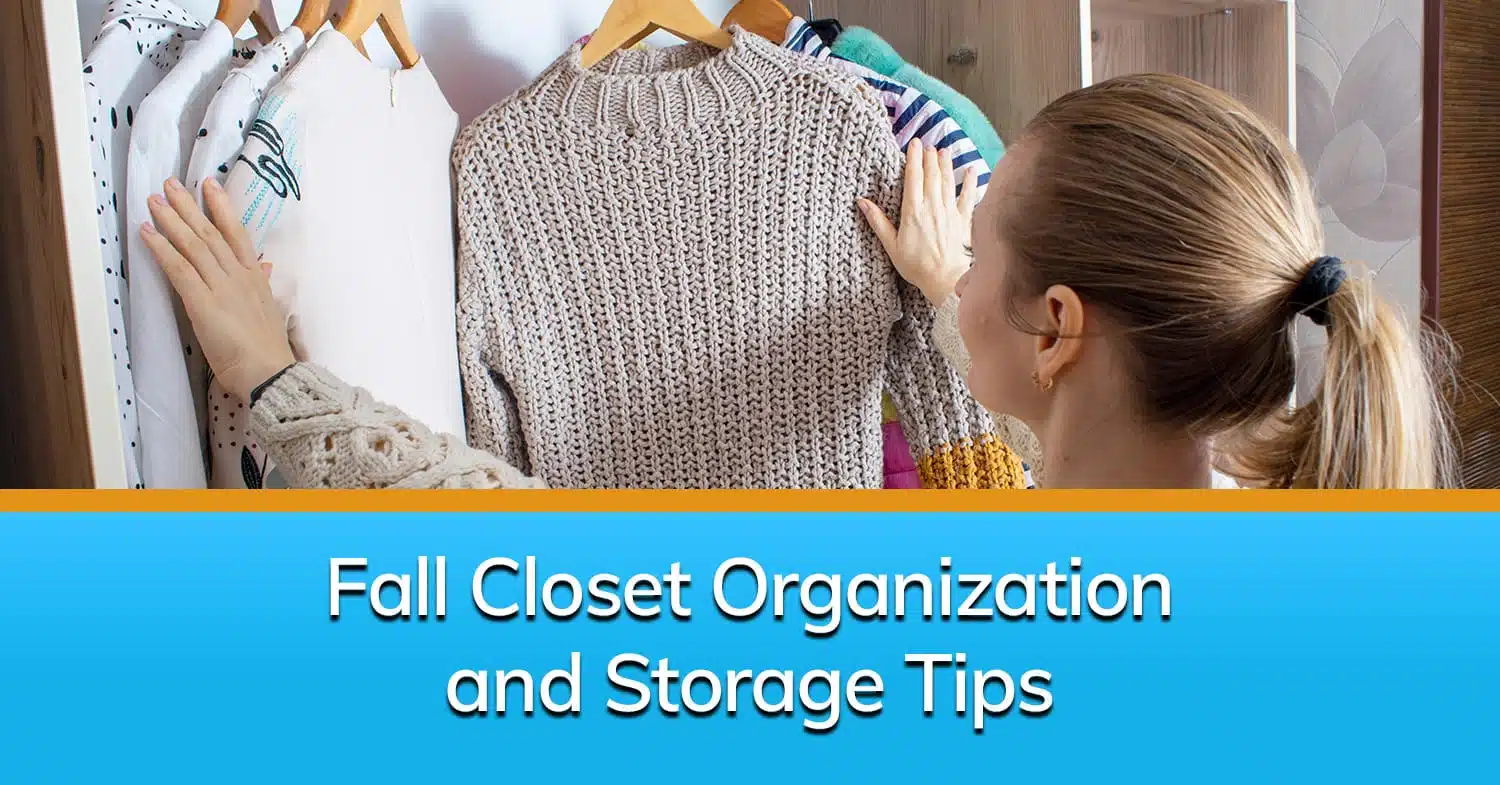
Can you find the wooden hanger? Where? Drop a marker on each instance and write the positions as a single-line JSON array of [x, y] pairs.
[[766, 18], [627, 22], [316, 13], [261, 14], [312, 16], [364, 13]]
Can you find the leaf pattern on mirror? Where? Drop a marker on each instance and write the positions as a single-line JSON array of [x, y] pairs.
[[1362, 143]]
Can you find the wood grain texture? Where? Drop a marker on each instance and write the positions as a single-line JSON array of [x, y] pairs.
[[1244, 52], [44, 439], [1025, 53], [1117, 10], [361, 15], [1469, 231], [766, 18]]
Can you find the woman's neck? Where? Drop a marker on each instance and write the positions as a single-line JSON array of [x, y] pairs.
[[1112, 450]]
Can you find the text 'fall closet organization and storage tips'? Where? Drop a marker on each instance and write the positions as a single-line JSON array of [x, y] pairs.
[[658, 277]]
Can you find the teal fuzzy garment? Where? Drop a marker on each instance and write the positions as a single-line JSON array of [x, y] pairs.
[[863, 46]]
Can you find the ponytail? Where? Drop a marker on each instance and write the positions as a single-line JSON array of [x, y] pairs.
[[1375, 419], [1185, 217]]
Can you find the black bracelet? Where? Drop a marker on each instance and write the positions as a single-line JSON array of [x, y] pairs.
[[266, 385]]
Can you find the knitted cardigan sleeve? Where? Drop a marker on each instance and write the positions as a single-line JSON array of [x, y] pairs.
[[323, 433], [1013, 432], [494, 417]]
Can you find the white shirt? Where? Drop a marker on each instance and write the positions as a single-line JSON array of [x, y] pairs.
[[138, 42], [234, 462], [230, 114], [168, 397], [346, 187]]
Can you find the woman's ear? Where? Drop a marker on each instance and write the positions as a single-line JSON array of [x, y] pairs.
[[1065, 326]]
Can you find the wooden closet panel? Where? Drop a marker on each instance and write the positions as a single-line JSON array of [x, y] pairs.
[[1469, 231], [1114, 10], [46, 220], [1243, 52], [973, 46]]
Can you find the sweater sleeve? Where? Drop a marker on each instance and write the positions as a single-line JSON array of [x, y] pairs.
[[494, 418], [954, 440], [323, 433], [1011, 431]]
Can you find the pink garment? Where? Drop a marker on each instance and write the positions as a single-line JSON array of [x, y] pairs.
[[900, 469]]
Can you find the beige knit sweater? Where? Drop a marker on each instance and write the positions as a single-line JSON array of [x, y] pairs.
[[664, 282]]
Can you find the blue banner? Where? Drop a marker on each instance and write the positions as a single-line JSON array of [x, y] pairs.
[[901, 648]]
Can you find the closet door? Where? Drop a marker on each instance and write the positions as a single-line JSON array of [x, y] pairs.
[[1013, 57], [58, 424], [1462, 259], [1243, 47]]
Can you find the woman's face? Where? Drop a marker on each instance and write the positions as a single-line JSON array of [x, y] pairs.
[[1003, 357]]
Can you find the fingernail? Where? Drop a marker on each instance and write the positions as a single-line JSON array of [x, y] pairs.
[[157, 200], [147, 228], [174, 185], [212, 185]]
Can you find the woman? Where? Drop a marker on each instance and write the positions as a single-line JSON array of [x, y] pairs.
[[1137, 267]]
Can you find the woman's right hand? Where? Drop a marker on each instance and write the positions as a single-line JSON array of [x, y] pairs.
[[225, 289], [930, 249]]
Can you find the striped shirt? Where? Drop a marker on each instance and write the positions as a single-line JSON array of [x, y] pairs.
[[913, 114]]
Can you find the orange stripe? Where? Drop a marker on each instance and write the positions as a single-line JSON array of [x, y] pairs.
[[749, 501]]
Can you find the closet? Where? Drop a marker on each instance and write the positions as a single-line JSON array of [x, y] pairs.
[[59, 420]]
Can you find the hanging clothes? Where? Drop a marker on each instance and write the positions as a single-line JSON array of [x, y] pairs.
[[864, 46], [170, 375], [139, 41], [236, 462], [913, 114], [232, 110], [345, 184], [664, 283]]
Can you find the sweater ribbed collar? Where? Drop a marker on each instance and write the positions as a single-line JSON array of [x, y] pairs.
[[661, 88]]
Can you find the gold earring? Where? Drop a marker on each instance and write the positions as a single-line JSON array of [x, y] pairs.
[[1036, 379]]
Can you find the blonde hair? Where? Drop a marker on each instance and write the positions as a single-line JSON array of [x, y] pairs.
[[1190, 221]]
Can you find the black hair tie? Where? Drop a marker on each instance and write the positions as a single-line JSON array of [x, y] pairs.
[[1318, 286]]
